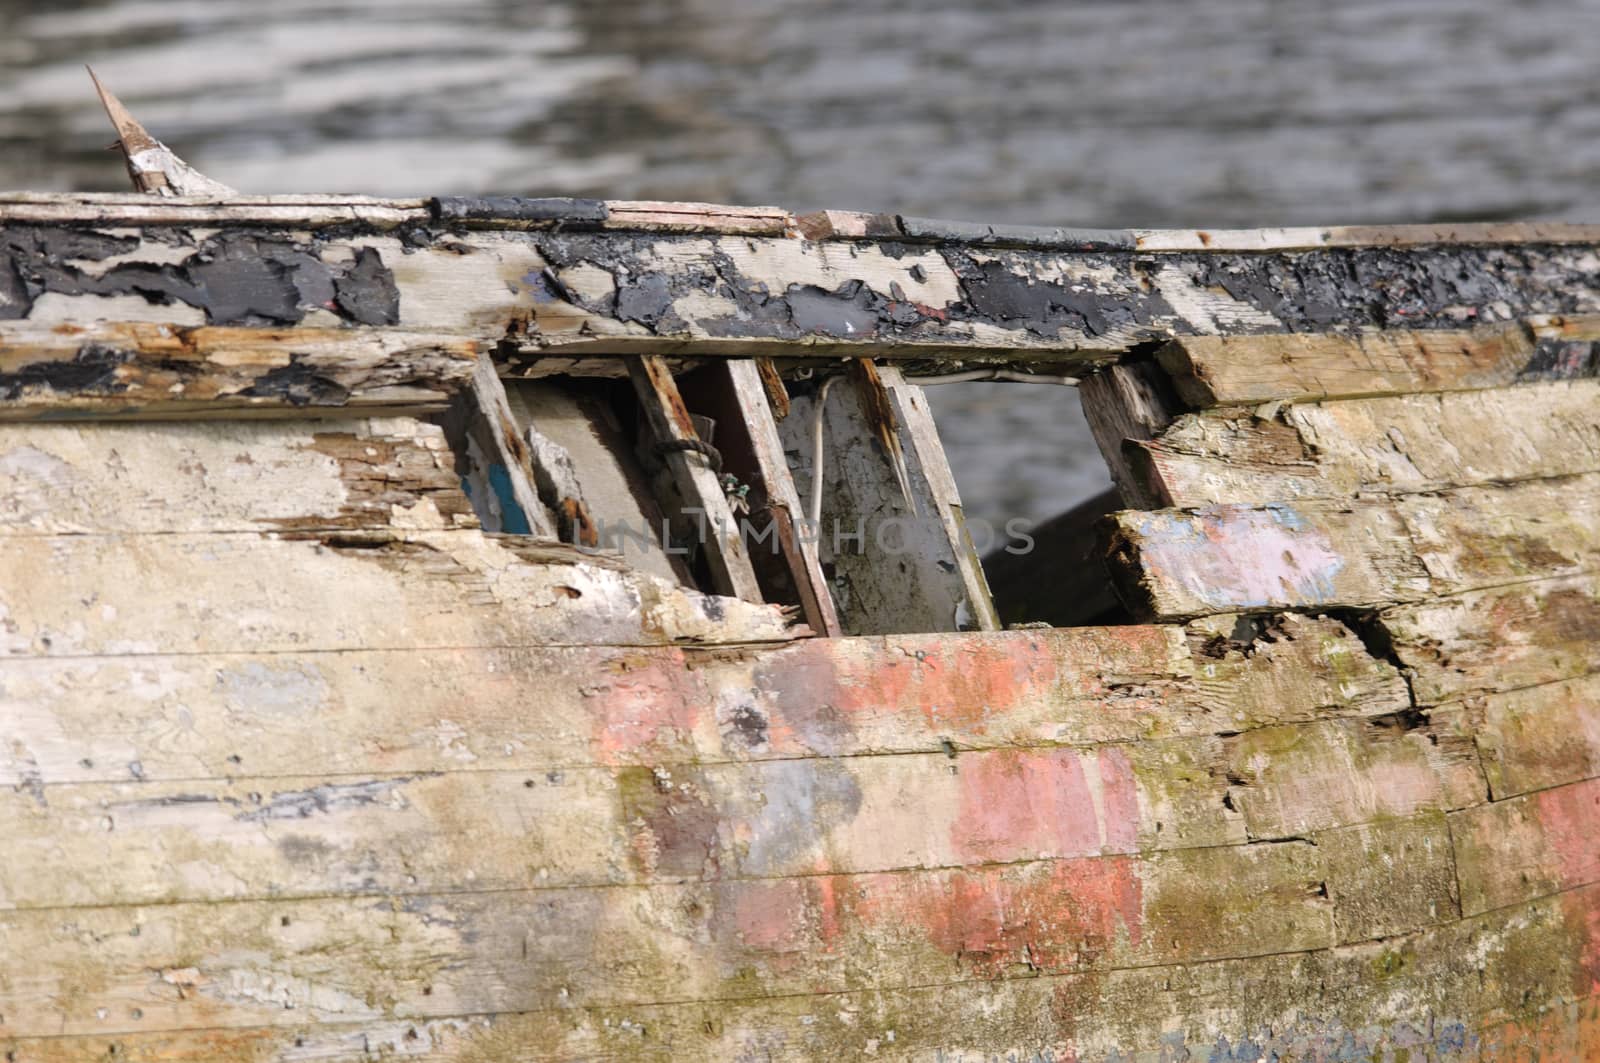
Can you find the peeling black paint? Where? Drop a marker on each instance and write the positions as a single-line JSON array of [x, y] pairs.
[[646, 300], [237, 277], [567, 212], [91, 371], [366, 293], [299, 385], [1562, 360]]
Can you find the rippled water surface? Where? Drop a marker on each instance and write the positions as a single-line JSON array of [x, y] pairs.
[[1113, 112]]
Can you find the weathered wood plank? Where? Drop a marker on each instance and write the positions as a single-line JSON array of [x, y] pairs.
[[1536, 845], [586, 294], [739, 398], [1126, 404], [1290, 781], [145, 370], [1539, 737], [1390, 877], [244, 476], [1421, 993], [1404, 443], [1244, 370], [138, 594], [1205, 1011], [1319, 554], [187, 966], [204, 716], [1500, 639]]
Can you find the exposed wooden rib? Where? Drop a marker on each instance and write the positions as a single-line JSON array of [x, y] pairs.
[[499, 472], [774, 484], [1314, 554], [152, 165], [137, 370], [1403, 443], [717, 532], [1242, 370], [895, 568]]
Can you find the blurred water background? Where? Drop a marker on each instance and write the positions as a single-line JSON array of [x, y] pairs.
[[1154, 113]]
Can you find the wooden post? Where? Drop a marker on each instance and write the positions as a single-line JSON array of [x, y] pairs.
[[676, 443], [1129, 401]]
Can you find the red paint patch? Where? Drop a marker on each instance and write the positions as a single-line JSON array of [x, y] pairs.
[[1569, 818], [771, 916], [644, 707], [1028, 804], [1058, 916]]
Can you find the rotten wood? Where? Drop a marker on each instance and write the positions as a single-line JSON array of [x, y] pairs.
[[139, 371], [704, 503]]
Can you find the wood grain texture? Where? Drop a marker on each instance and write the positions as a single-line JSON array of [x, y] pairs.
[[1398, 444], [1500, 639], [1540, 736], [1243, 370]]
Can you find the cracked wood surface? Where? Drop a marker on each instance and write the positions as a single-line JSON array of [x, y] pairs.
[[1313, 554]]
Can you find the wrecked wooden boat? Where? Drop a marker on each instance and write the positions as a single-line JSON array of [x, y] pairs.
[[466, 629]]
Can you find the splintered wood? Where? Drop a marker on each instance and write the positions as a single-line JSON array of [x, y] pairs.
[[306, 754]]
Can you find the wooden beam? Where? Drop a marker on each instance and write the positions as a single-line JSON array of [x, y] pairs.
[[138, 370], [674, 441]]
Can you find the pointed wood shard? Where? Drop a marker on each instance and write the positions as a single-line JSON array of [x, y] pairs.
[[151, 164]]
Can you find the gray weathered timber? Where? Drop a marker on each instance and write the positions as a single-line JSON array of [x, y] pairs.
[[499, 469], [216, 715]]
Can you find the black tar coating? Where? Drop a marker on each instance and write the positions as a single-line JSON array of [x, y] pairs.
[[238, 277], [1300, 291]]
